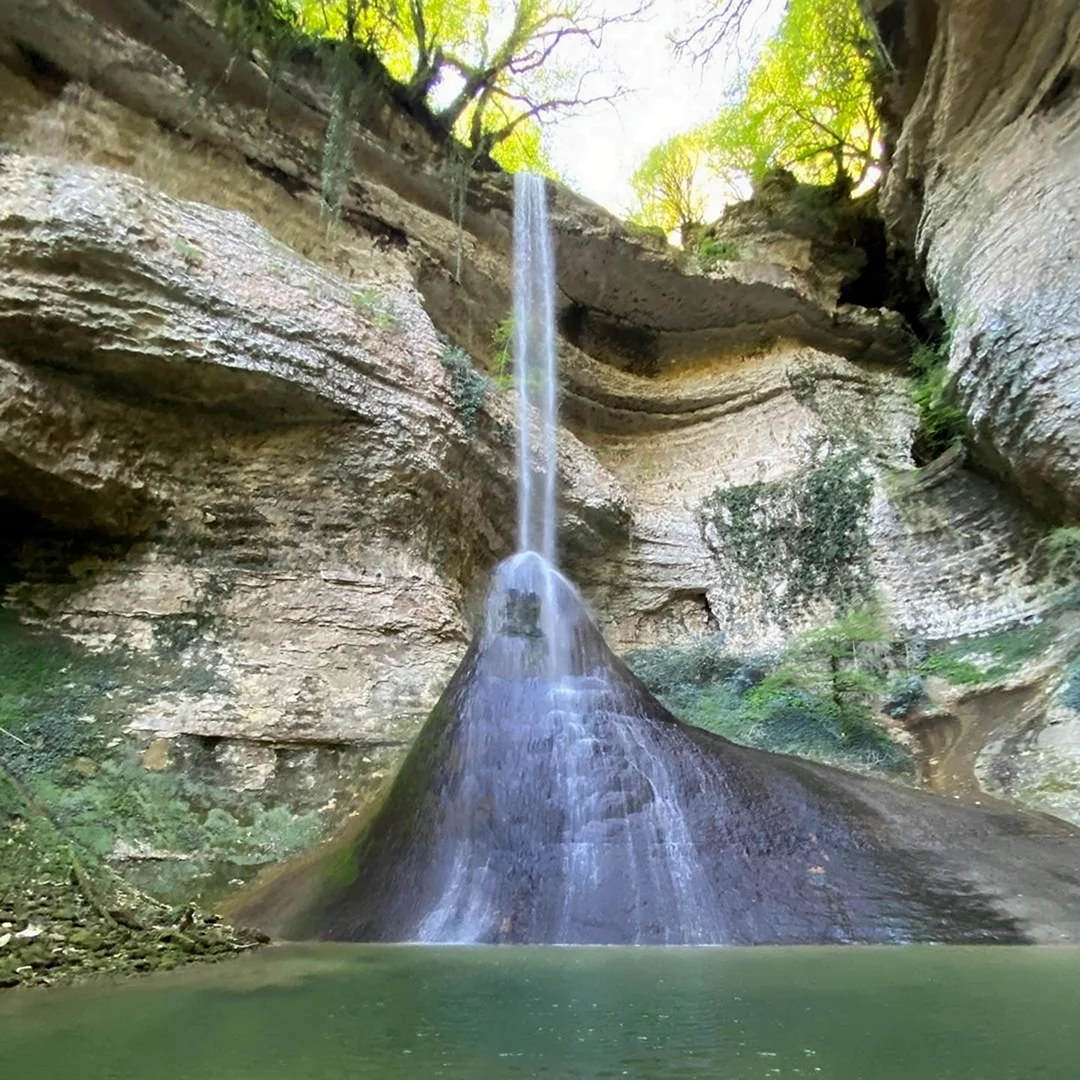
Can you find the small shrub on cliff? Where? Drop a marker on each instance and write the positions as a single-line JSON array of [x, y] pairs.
[[903, 693], [468, 386], [711, 251], [1060, 550], [190, 253], [502, 364], [942, 423], [380, 308]]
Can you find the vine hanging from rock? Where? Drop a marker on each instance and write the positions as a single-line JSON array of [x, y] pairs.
[[800, 540]]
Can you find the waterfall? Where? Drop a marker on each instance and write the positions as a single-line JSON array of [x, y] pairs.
[[559, 774], [551, 798], [534, 367]]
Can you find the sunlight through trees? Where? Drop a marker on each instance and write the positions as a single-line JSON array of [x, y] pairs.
[[806, 106]]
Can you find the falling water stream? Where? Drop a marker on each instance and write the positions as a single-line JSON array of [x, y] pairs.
[[549, 748], [535, 367]]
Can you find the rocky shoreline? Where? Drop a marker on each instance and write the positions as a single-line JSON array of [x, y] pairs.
[[63, 919]]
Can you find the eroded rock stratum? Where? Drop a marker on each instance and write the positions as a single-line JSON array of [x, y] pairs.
[[241, 468], [985, 185]]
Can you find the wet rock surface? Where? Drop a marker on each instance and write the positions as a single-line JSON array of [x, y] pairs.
[[550, 798]]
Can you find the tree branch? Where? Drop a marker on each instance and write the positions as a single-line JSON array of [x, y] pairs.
[[713, 30]]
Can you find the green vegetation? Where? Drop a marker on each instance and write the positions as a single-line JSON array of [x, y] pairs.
[[380, 308], [190, 253], [942, 423], [1052, 784], [172, 812], [1060, 549], [69, 916], [711, 251], [640, 231], [816, 699], [48, 688], [903, 693], [506, 68], [821, 696], [337, 143], [468, 386], [807, 106], [68, 795], [502, 364], [798, 540], [666, 669], [989, 658], [670, 185], [63, 712]]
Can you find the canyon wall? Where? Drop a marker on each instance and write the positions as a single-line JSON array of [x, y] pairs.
[[984, 187], [247, 459], [983, 190]]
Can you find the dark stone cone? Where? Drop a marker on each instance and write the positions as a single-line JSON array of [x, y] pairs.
[[550, 798]]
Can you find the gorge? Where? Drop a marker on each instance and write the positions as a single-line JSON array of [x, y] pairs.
[[255, 482], [550, 799]]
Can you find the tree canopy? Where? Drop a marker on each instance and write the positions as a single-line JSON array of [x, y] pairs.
[[669, 183], [491, 71], [806, 106], [721, 22]]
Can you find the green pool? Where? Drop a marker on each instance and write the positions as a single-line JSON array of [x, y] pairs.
[[340, 1012]]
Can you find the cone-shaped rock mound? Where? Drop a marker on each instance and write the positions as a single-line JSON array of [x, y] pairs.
[[551, 799]]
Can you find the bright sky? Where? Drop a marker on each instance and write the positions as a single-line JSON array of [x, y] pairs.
[[598, 151]]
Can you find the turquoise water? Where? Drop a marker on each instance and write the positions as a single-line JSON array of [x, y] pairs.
[[343, 1012]]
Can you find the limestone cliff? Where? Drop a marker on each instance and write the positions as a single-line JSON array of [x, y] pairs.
[[250, 470], [984, 189], [258, 470], [984, 186]]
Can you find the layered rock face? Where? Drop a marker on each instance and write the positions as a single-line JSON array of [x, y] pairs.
[[984, 184], [684, 382], [244, 471], [734, 470], [984, 187], [237, 451]]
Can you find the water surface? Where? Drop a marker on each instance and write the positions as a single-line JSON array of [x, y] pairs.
[[353, 1012]]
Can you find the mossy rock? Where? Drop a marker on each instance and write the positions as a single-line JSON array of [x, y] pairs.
[[797, 541]]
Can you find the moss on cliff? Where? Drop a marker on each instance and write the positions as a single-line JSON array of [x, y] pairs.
[[468, 386], [799, 540], [179, 832], [987, 659], [65, 915], [942, 423]]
